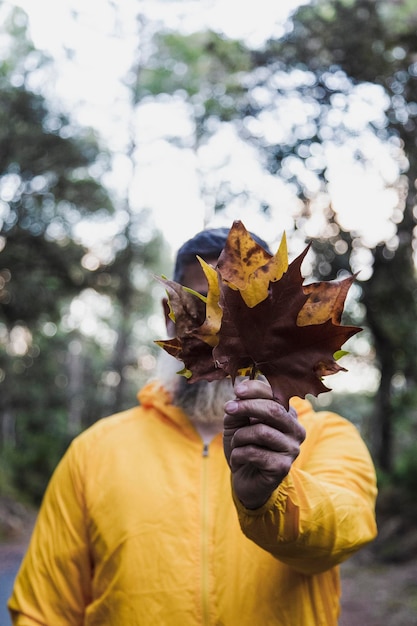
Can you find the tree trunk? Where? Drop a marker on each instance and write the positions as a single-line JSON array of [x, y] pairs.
[[383, 419]]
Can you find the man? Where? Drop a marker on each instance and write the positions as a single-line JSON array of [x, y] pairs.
[[203, 505]]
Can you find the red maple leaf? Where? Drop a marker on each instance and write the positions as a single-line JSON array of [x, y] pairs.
[[269, 323], [268, 339]]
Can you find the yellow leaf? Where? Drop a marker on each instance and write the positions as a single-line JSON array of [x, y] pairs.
[[325, 301], [208, 330], [258, 282], [245, 266], [240, 257]]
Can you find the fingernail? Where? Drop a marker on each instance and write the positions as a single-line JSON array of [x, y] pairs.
[[231, 406], [240, 388]]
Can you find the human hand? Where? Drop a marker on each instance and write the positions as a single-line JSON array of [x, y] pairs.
[[261, 441]]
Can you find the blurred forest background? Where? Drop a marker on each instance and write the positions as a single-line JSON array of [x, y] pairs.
[[78, 320]]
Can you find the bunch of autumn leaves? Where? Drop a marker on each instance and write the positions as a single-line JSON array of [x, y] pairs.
[[258, 318]]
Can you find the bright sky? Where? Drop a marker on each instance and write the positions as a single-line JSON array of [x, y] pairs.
[[102, 38], [168, 180]]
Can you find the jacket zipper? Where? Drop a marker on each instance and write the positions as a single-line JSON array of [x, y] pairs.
[[204, 537]]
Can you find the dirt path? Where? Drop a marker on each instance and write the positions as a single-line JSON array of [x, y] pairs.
[[379, 594]]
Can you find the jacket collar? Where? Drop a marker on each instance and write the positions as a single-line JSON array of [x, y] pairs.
[[155, 396]]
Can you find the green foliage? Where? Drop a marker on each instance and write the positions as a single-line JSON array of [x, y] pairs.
[[405, 472], [35, 457], [57, 379], [337, 33], [37, 275], [204, 66], [332, 47], [37, 433], [200, 62]]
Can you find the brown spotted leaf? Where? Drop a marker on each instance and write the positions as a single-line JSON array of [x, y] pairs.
[[325, 301], [245, 266]]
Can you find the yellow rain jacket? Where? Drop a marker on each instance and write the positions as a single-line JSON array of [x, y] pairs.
[[139, 527]]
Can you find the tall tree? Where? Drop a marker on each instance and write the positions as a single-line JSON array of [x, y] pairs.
[[332, 47], [205, 70], [55, 378]]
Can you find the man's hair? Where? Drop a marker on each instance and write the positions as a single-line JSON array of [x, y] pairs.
[[207, 244]]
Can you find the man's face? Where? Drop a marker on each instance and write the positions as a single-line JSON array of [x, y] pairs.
[[203, 401]]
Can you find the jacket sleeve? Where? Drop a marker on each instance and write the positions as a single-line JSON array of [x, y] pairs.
[[53, 585], [324, 510]]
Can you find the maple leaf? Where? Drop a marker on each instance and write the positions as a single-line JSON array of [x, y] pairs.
[[245, 266], [211, 326], [187, 311], [259, 318], [291, 356], [325, 301]]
